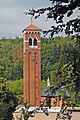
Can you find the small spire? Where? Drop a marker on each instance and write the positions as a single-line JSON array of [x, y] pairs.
[[48, 82]]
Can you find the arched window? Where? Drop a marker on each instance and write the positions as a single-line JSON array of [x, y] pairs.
[[35, 42], [30, 42]]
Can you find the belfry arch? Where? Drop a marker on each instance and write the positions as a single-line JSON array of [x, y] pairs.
[[35, 42]]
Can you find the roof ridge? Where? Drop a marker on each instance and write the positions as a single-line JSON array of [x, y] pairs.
[[32, 27]]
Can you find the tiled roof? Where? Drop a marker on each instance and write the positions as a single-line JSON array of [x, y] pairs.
[[50, 93], [53, 93], [33, 27]]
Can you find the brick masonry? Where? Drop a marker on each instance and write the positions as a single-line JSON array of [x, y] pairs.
[[32, 68]]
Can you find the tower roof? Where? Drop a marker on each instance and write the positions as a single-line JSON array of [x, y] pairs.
[[32, 27]]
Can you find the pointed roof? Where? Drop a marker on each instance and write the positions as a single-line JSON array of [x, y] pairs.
[[52, 92], [32, 28]]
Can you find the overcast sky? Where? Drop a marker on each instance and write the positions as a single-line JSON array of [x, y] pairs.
[[12, 21]]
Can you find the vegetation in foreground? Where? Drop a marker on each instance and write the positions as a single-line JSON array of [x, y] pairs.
[[60, 59]]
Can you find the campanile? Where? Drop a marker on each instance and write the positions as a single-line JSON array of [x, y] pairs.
[[32, 65]]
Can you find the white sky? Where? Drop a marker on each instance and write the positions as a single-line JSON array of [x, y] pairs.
[[12, 21]]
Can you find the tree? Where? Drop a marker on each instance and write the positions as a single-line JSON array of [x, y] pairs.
[[7, 105], [16, 87], [11, 65], [62, 12], [54, 54], [76, 69], [8, 101], [70, 74], [59, 10]]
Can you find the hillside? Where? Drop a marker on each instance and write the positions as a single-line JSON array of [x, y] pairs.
[[55, 55]]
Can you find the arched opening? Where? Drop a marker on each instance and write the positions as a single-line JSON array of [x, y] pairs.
[[30, 42], [35, 42]]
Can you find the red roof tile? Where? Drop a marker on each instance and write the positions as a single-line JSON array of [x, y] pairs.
[[32, 27]]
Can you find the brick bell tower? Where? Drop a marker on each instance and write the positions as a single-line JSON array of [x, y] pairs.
[[32, 66]]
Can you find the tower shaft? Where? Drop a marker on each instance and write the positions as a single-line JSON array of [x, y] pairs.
[[32, 67]]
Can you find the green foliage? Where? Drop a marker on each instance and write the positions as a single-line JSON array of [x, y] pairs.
[[71, 73], [43, 84], [53, 77], [8, 101], [7, 105], [16, 87], [54, 54], [11, 59], [60, 58]]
